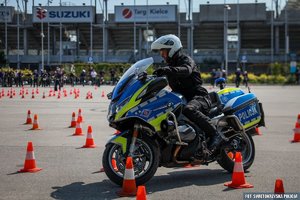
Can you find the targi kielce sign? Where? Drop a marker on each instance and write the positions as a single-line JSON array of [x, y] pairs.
[[159, 13], [65, 14]]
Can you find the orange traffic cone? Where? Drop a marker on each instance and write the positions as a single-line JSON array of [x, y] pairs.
[[79, 118], [114, 165], [28, 120], [190, 165], [78, 130], [257, 131], [141, 193], [89, 143], [50, 93], [298, 120], [238, 178], [117, 132], [279, 189], [73, 122], [35, 125], [32, 94], [129, 185], [296, 133], [29, 164], [230, 155], [102, 95], [101, 169], [80, 115]]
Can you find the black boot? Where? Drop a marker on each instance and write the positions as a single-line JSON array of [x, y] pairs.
[[214, 143]]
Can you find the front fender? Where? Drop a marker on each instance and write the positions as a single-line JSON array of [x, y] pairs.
[[119, 140]]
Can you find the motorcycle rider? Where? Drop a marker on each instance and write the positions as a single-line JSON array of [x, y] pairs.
[[184, 78]]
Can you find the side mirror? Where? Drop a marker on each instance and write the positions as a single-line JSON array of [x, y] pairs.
[[109, 95], [142, 76]]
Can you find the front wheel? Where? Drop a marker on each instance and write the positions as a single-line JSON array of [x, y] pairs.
[[145, 160], [243, 144]]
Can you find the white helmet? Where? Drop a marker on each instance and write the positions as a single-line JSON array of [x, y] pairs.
[[170, 42]]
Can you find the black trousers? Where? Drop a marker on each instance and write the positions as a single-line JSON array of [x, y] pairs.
[[196, 110]]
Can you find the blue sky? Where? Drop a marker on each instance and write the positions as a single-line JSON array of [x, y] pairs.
[[112, 3]]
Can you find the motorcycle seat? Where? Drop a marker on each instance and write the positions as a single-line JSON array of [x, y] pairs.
[[216, 105]]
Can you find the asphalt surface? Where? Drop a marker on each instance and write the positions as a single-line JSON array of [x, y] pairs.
[[70, 172]]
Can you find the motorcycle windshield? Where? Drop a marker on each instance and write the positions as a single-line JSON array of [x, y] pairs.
[[132, 72]]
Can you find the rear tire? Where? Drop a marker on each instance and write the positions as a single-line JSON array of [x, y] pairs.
[[248, 156], [117, 177]]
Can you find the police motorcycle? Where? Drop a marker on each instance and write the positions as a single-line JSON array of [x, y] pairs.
[[155, 133]]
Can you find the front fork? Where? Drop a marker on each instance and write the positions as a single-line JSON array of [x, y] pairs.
[[134, 136]]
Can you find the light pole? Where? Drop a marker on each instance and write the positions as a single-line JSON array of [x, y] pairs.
[[286, 33], [178, 10], [5, 18], [104, 12], [41, 14], [18, 33], [91, 35], [134, 33], [60, 39], [147, 28], [272, 37], [226, 9], [48, 36], [238, 31]]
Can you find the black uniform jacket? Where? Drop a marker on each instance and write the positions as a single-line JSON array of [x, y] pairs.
[[185, 78]]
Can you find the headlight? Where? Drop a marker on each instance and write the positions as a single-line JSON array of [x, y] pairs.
[[111, 111], [122, 104]]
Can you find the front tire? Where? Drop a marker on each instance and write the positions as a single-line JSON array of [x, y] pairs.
[[248, 154], [145, 160]]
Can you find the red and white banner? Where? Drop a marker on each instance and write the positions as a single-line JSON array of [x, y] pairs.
[[153, 13]]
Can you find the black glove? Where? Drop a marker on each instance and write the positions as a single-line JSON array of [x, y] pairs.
[[162, 71]]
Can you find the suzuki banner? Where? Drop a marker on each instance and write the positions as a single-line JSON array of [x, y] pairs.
[[63, 14], [6, 14], [157, 13]]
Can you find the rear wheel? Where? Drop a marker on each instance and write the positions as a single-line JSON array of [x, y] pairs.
[[243, 144], [145, 161]]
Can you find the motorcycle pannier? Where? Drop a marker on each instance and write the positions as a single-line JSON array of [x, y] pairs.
[[246, 108]]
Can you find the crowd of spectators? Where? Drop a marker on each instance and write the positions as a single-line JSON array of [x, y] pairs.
[[56, 77]]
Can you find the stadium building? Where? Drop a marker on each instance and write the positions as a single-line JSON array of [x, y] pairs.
[[231, 35]]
